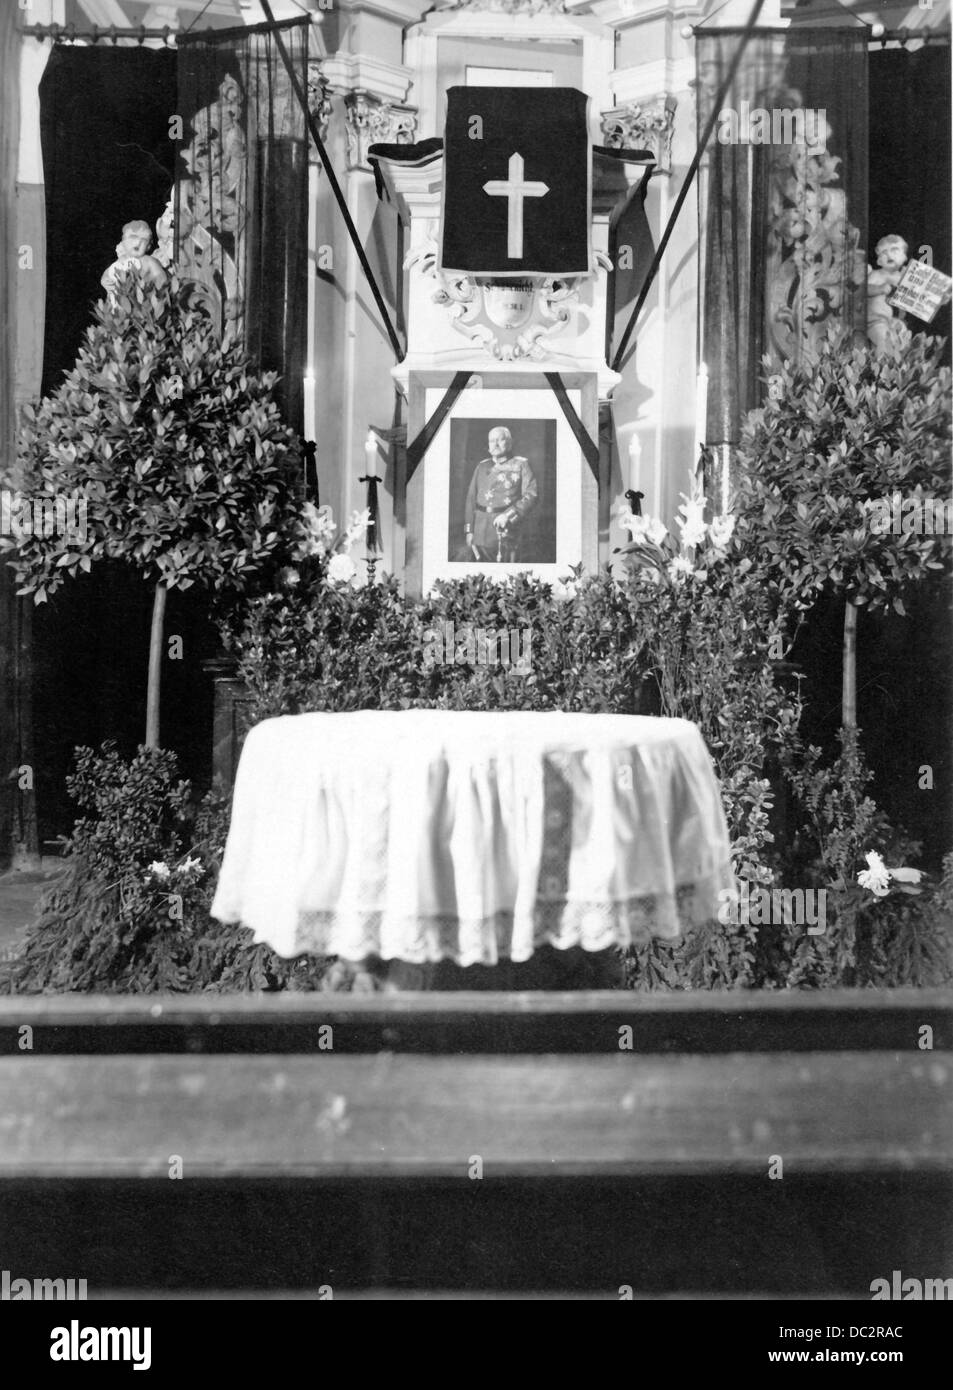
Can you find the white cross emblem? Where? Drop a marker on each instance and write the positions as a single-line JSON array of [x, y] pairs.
[[514, 189]]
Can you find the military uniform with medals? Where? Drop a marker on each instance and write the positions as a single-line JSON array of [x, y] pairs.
[[505, 489]]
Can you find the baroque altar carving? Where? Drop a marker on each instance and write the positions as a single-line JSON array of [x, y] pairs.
[[815, 268], [508, 320], [212, 207]]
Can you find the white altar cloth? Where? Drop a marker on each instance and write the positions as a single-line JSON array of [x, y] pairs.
[[425, 835]]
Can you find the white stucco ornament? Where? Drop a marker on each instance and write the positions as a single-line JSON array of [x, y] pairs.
[[508, 320]]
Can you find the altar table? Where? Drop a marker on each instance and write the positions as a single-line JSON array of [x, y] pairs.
[[471, 837]]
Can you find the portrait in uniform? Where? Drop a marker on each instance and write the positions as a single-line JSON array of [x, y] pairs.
[[503, 505]]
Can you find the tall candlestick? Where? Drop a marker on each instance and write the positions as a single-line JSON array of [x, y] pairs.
[[701, 412], [310, 421], [635, 463]]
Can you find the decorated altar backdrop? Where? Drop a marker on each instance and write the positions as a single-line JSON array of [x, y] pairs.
[[241, 207], [785, 232]]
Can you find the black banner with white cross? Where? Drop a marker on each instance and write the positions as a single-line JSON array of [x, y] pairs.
[[517, 192]]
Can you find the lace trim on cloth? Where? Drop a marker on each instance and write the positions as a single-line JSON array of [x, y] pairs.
[[355, 935]]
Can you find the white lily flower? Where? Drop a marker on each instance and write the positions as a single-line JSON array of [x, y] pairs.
[[721, 530], [644, 527], [691, 522], [564, 589], [357, 527], [905, 875], [876, 877]]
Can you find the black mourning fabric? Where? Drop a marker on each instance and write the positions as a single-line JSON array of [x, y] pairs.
[[548, 128], [761, 215], [910, 158], [107, 160], [273, 196]]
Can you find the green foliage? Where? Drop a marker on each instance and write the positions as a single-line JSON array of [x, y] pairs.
[[696, 630], [901, 938], [711, 638], [172, 445], [698, 646], [131, 910], [847, 432]]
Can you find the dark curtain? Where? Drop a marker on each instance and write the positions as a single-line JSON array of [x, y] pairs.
[[108, 159], [242, 192], [785, 231], [910, 158], [905, 665]]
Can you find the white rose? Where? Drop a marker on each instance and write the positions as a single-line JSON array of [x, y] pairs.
[[341, 569]]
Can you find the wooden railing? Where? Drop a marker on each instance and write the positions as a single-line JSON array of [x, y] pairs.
[[583, 1144]]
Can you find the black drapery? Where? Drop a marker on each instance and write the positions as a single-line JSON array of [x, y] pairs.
[[910, 158], [785, 230], [107, 160], [242, 192], [109, 155]]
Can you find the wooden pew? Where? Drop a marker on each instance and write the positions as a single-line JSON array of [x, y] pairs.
[[587, 1145]]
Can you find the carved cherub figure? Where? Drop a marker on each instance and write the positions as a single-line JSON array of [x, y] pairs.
[[133, 250], [881, 283]]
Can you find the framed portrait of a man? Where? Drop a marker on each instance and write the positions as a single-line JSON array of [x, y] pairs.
[[503, 486], [503, 504]]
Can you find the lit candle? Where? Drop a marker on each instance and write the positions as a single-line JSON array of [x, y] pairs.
[[701, 412], [310, 422], [635, 463], [370, 451]]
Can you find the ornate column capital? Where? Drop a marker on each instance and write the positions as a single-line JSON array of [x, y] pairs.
[[371, 120], [643, 125]]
